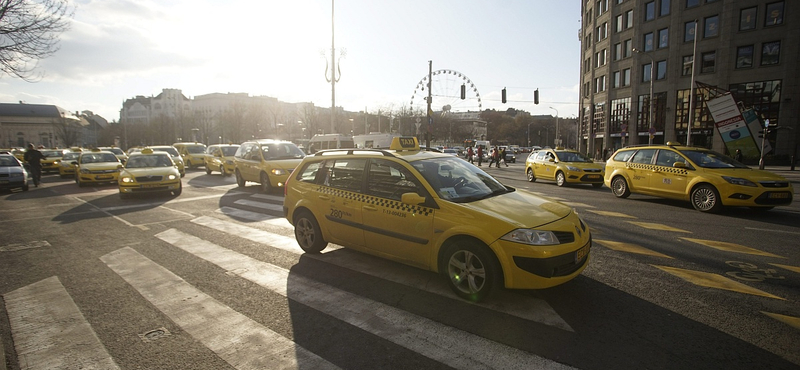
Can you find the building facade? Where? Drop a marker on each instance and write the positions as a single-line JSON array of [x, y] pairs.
[[44, 125], [639, 59]]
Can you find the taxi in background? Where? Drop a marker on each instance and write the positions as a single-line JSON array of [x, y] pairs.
[[563, 166], [193, 154], [12, 173], [176, 157], [96, 166], [149, 171], [19, 153], [66, 168], [267, 162], [707, 179], [219, 157], [436, 212], [121, 155], [51, 160]]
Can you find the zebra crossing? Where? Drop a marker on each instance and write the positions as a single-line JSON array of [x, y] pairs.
[[50, 332]]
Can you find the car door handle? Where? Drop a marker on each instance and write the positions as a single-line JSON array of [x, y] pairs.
[[324, 197], [370, 208]]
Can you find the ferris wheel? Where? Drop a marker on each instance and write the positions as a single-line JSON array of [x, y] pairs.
[[446, 85]]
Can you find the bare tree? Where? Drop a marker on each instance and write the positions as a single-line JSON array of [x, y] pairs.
[[29, 32]]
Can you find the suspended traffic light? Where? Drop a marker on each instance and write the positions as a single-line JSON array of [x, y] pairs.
[[504, 95], [463, 91], [536, 96]]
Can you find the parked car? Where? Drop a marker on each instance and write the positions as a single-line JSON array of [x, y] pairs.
[[12, 173]]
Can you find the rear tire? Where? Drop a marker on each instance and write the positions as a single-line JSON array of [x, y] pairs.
[[472, 270], [307, 233], [208, 170], [620, 187]]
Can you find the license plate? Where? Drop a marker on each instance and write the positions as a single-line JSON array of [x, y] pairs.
[[151, 186], [105, 177], [778, 195], [580, 254], [593, 177]]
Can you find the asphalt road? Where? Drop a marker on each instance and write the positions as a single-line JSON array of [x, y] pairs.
[[213, 279]]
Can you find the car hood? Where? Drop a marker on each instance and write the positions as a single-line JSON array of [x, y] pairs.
[[155, 171], [286, 164], [751, 174], [100, 166], [521, 208]]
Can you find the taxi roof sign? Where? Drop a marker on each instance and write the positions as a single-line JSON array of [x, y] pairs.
[[404, 143]]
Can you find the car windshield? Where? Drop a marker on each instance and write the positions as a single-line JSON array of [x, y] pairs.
[[149, 160], [229, 151], [195, 149], [572, 157], [711, 159], [172, 151], [8, 161], [116, 151], [459, 181], [71, 156], [281, 151], [52, 153], [98, 158]]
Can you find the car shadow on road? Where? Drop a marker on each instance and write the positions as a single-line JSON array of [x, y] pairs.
[[109, 206]]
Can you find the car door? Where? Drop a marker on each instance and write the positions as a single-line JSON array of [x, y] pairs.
[[538, 164], [666, 179], [392, 228], [640, 169], [342, 197], [548, 166]]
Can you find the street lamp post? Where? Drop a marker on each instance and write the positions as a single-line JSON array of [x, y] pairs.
[[557, 140], [529, 133], [650, 132]]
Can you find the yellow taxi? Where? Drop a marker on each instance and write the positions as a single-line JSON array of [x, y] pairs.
[[19, 153], [65, 167], [51, 159], [437, 212], [176, 157], [193, 154], [563, 166], [219, 157], [96, 166], [149, 171], [707, 179], [121, 155], [267, 162]]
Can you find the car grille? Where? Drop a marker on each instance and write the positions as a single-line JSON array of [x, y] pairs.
[[591, 170], [95, 172], [775, 184], [149, 178], [562, 265], [564, 237]]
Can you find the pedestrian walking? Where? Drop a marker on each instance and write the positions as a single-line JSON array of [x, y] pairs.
[[496, 156], [738, 156], [480, 155], [503, 155], [34, 159], [470, 153]]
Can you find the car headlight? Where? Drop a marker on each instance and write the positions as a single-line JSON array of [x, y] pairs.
[[56, 162], [531, 236], [739, 181], [172, 177], [278, 171], [85, 170], [126, 179], [573, 168]]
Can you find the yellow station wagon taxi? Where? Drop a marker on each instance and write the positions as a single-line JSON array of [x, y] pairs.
[[564, 167], [149, 171], [66, 168], [707, 179], [96, 166], [267, 162], [219, 157], [437, 212]]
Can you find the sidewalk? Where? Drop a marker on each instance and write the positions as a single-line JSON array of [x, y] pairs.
[[785, 171]]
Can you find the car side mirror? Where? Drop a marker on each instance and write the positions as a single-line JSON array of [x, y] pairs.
[[119, 166], [551, 159], [74, 162], [412, 198], [679, 165]]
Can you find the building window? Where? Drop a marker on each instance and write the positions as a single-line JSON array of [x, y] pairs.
[[774, 14], [702, 117], [629, 19], [711, 27], [646, 72], [708, 62], [618, 24], [663, 38], [687, 65], [744, 56], [688, 31], [616, 79], [648, 41], [600, 58], [766, 95], [620, 115], [618, 51], [587, 88], [664, 9], [650, 11], [770, 53], [600, 84], [602, 31], [602, 7], [626, 77], [747, 18], [692, 3], [661, 70], [587, 65], [627, 48]]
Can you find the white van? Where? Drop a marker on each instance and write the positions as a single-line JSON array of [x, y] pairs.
[[377, 140], [329, 141]]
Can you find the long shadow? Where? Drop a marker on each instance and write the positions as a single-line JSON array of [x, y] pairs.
[[93, 209]]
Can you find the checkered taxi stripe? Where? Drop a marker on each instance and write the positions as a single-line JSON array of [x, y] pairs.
[[664, 169], [377, 201]]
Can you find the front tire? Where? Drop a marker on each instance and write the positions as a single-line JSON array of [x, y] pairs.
[[705, 198], [208, 170], [308, 234], [531, 176], [561, 180], [620, 187], [239, 179], [473, 272], [265, 185]]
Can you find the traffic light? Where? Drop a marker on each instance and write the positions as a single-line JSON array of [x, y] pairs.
[[504, 95], [463, 91], [536, 96]]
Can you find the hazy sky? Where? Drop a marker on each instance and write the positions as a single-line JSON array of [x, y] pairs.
[[117, 49]]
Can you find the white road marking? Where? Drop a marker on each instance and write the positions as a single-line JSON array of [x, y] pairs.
[[268, 196], [529, 308], [262, 205], [255, 216], [50, 332], [237, 339], [442, 343]]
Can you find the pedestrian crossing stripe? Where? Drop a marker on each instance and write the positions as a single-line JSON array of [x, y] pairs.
[[656, 226], [709, 280], [630, 248], [731, 247]]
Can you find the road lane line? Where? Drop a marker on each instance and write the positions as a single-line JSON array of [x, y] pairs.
[[657, 226], [610, 213], [731, 247], [50, 332], [788, 320], [628, 247], [525, 307], [235, 338], [448, 345], [715, 281]]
